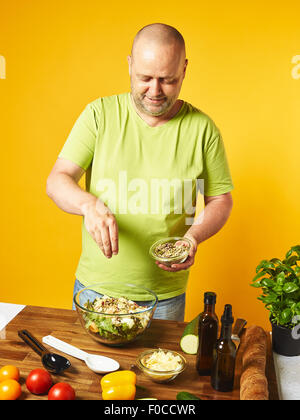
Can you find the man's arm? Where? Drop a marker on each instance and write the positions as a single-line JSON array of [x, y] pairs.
[[214, 216], [63, 189]]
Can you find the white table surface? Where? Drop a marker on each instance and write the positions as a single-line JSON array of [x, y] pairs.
[[7, 312], [288, 376], [287, 368]]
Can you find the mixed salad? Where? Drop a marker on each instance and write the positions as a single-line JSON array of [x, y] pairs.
[[116, 319]]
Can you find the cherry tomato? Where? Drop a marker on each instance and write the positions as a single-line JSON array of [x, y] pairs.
[[10, 389], [38, 381], [61, 391], [9, 372]]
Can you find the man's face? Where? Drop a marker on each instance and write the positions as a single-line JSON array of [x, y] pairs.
[[156, 74]]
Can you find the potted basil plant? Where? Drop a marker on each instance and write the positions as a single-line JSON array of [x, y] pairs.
[[280, 284]]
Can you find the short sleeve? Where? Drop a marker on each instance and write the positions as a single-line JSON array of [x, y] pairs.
[[80, 144], [216, 175]]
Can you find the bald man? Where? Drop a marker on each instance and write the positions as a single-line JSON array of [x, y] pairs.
[[143, 154]]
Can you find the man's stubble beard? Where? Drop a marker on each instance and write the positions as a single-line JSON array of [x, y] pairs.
[[162, 109]]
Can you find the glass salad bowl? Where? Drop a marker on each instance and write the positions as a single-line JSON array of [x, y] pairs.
[[168, 251], [111, 317]]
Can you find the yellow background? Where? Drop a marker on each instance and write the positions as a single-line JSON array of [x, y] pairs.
[[60, 55]]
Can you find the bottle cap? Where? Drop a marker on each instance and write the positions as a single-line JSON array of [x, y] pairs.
[[210, 298], [227, 317]]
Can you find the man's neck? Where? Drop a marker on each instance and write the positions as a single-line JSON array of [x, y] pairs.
[[155, 121]]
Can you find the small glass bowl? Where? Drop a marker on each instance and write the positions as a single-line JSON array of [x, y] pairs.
[[168, 261], [158, 375]]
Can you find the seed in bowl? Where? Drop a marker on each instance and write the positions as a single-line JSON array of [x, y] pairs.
[[111, 305], [171, 250]]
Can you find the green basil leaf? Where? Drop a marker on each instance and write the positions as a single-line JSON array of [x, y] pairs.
[[280, 278], [268, 282], [286, 316], [291, 303], [259, 275], [289, 253], [257, 284], [271, 298], [261, 265], [269, 265], [296, 249], [275, 260], [277, 289], [292, 260], [290, 287]]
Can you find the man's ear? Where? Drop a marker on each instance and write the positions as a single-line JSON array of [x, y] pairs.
[[185, 66], [129, 60]]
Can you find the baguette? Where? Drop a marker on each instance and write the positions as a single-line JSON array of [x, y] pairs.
[[253, 382]]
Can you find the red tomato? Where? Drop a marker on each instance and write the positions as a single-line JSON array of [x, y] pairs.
[[38, 381], [61, 391]]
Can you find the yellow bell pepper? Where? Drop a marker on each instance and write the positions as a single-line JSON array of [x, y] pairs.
[[119, 385]]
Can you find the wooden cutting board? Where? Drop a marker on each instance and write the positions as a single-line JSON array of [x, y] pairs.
[[64, 324]]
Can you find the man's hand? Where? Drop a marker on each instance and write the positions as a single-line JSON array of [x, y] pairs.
[[208, 223], [102, 226], [63, 189], [187, 263]]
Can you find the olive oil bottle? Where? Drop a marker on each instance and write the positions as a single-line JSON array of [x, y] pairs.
[[222, 377], [208, 334]]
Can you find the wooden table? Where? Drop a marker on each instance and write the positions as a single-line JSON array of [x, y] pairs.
[[64, 324]]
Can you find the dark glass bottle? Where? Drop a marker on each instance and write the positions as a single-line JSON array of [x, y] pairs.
[[208, 334], [222, 377]]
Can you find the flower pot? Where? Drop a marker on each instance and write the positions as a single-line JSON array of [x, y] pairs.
[[286, 341]]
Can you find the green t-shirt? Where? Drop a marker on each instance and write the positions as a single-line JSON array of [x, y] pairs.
[[132, 167]]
